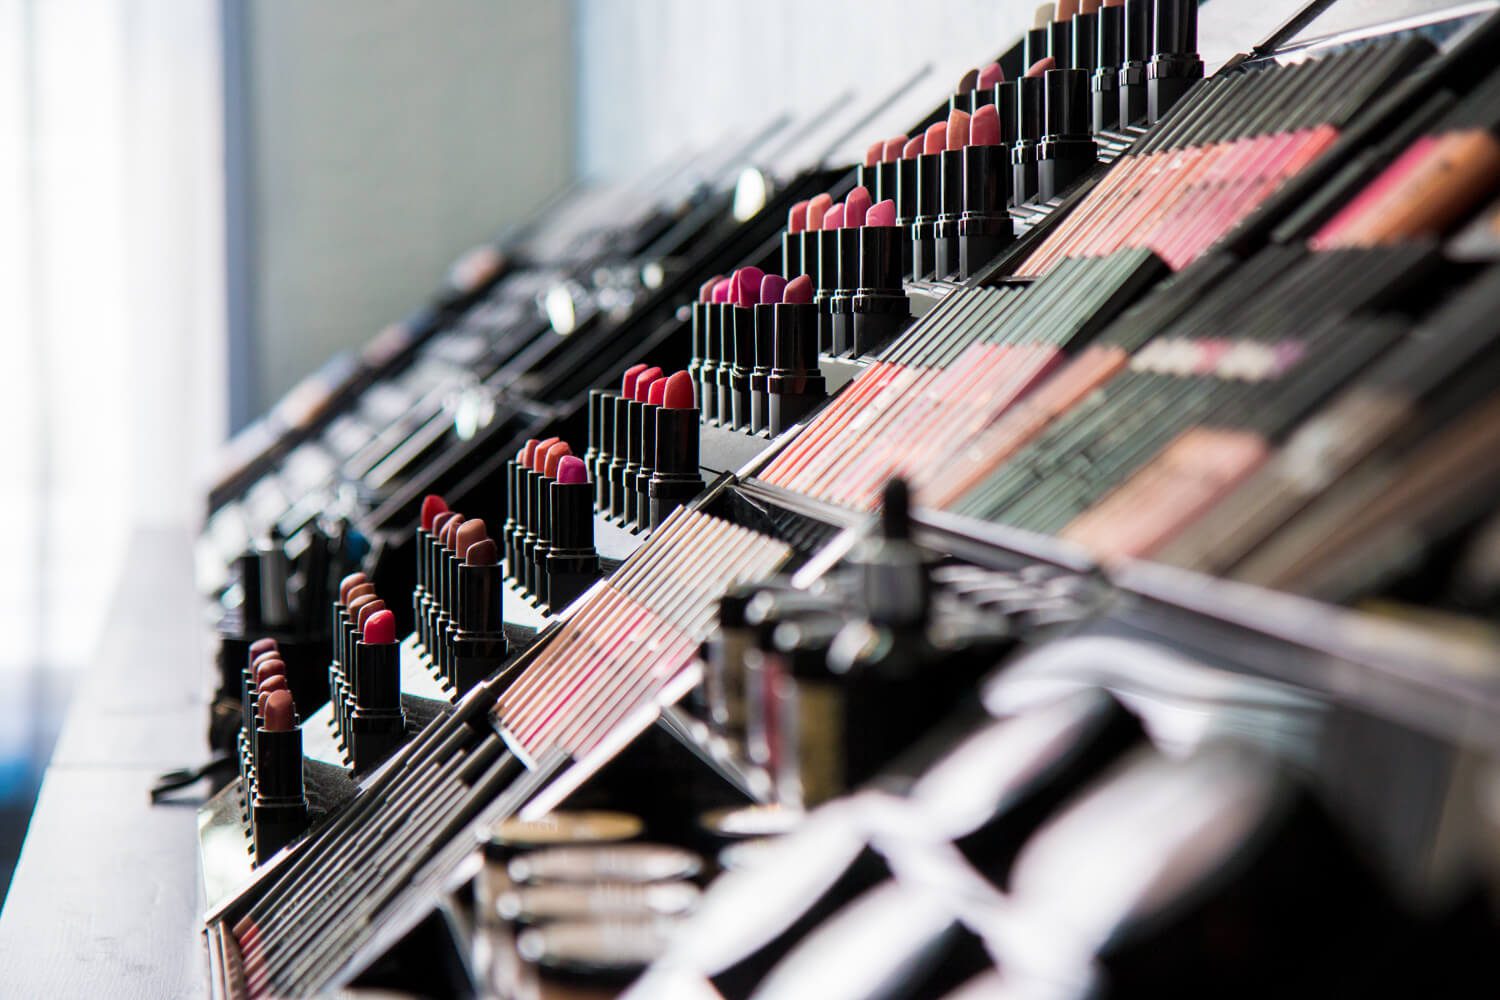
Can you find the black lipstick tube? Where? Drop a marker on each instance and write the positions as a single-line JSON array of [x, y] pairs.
[[1034, 47], [615, 507], [377, 725], [544, 541], [951, 206], [1067, 150], [1105, 84], [596, 402], [887, 176], [706, 314], [791, 254], [419, 591], [1138, 19], [743, 320], [881, 309], [725, 397], [906, 206], [795, 385], [572, 563], [695, 363], [1028, 134], [600, 469], [923, 236], [1060, 43], [1085, 54], [279, 813], [513, 503], [760, 404], [841, 302], [825, 278], [537, 490], [477, 639], [677, 478], [641, 503], [629, 498], [1176, 66]]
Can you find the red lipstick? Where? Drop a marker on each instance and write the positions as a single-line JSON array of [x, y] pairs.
[[742, 316], [676, 477], [377, 724], [795, 384], [879, 309]]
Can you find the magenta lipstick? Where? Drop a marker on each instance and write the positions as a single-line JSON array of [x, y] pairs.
[[771, 288], [638, 405], [795, 384], [742, 318], [572, 564], [841, 302]]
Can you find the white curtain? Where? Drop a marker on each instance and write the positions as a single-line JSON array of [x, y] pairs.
[[111, 309]]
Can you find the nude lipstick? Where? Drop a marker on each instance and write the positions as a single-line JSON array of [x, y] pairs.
[[279, 813], [985, 227], [476, 640], [879, 308], [1029, 100]]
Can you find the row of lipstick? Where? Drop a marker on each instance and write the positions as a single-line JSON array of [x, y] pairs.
[[548, 536], [364, 675], [643, 447], [1137, 57], [270, 753], [755, 348], [457, 602]]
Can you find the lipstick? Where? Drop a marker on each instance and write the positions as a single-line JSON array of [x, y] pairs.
[[515, 508], [985, 227], [1060, 33], [1034, 45], [742, 318], [880, 309], [850, 217], [537, 580], [886, 178], [279, 814], [906, 198], [950, 196], [572, 564], [1138, 19], [1023, 167], [722, 331], [929, 187], [772, 286], [638, 406], [377, 724], [705, 364], [541, 513], [1067, 150], [432, 506], [477, 638], [676, 477], [795, 385], [793, 245], [1085, 53], [823, 264], [459, 535], [1108, 55], [620, 457], [469, 533], [1176, 65], [642, 519]]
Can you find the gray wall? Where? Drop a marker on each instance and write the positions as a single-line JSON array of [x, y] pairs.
[[383, 140], [657, 76]]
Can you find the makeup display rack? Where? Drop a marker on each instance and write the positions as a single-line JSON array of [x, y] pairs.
[[920, 579]]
